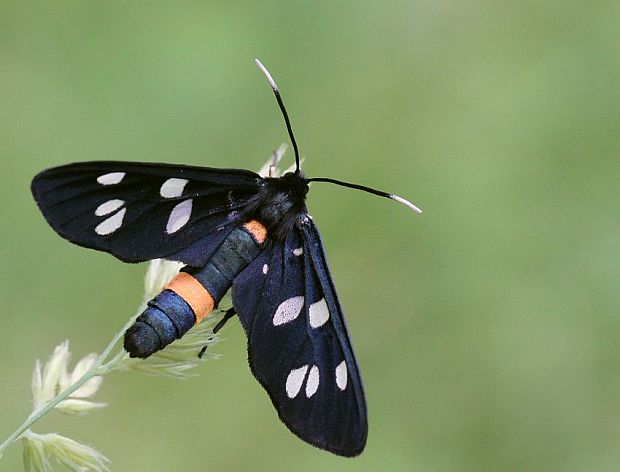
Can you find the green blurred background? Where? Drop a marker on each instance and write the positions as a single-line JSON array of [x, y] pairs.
[[486, 329]]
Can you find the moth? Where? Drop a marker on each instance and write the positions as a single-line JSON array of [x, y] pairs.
[[234, 230]]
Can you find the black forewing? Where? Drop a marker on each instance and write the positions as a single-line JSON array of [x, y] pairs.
[[167, 211], [287, 355]]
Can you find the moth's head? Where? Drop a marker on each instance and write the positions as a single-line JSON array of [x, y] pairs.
[[292, 186], [282, 200], [296, 183]]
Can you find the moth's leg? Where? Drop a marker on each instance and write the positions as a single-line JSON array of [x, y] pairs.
[[228, 315], [220, 324]]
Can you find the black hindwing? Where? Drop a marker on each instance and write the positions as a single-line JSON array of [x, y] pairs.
[[299, 349], [142, 211]]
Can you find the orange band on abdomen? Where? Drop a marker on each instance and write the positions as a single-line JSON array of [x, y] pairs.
[[257, 230], [192, 291]]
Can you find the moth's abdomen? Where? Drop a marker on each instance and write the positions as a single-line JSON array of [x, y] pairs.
[[167, 317], [193, 293]]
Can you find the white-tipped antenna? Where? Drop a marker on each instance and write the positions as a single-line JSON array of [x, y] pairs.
[[380, 193], [406, 202], [276, 92], [374, 191], [264, 70]]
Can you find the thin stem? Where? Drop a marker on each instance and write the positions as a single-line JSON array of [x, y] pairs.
[[38, 414], [116, 338], [98, 368]]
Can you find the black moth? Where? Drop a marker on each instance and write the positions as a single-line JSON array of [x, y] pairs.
[[232, 228]]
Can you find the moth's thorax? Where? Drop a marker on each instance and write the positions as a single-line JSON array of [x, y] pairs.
[[284, 198]]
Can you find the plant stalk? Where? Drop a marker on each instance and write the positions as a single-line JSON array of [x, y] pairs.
[[99, 367]]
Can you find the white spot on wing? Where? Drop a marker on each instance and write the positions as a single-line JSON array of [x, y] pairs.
[[111, 178], [179, 216], [298, 252], [319, 313], [288, 310], [108, 207], [173, 187], [341, 375], [312, 383], [265, 269], [111, 224], [294, 380]]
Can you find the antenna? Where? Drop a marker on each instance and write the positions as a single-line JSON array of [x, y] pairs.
[[380, 193], [276, 92]]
